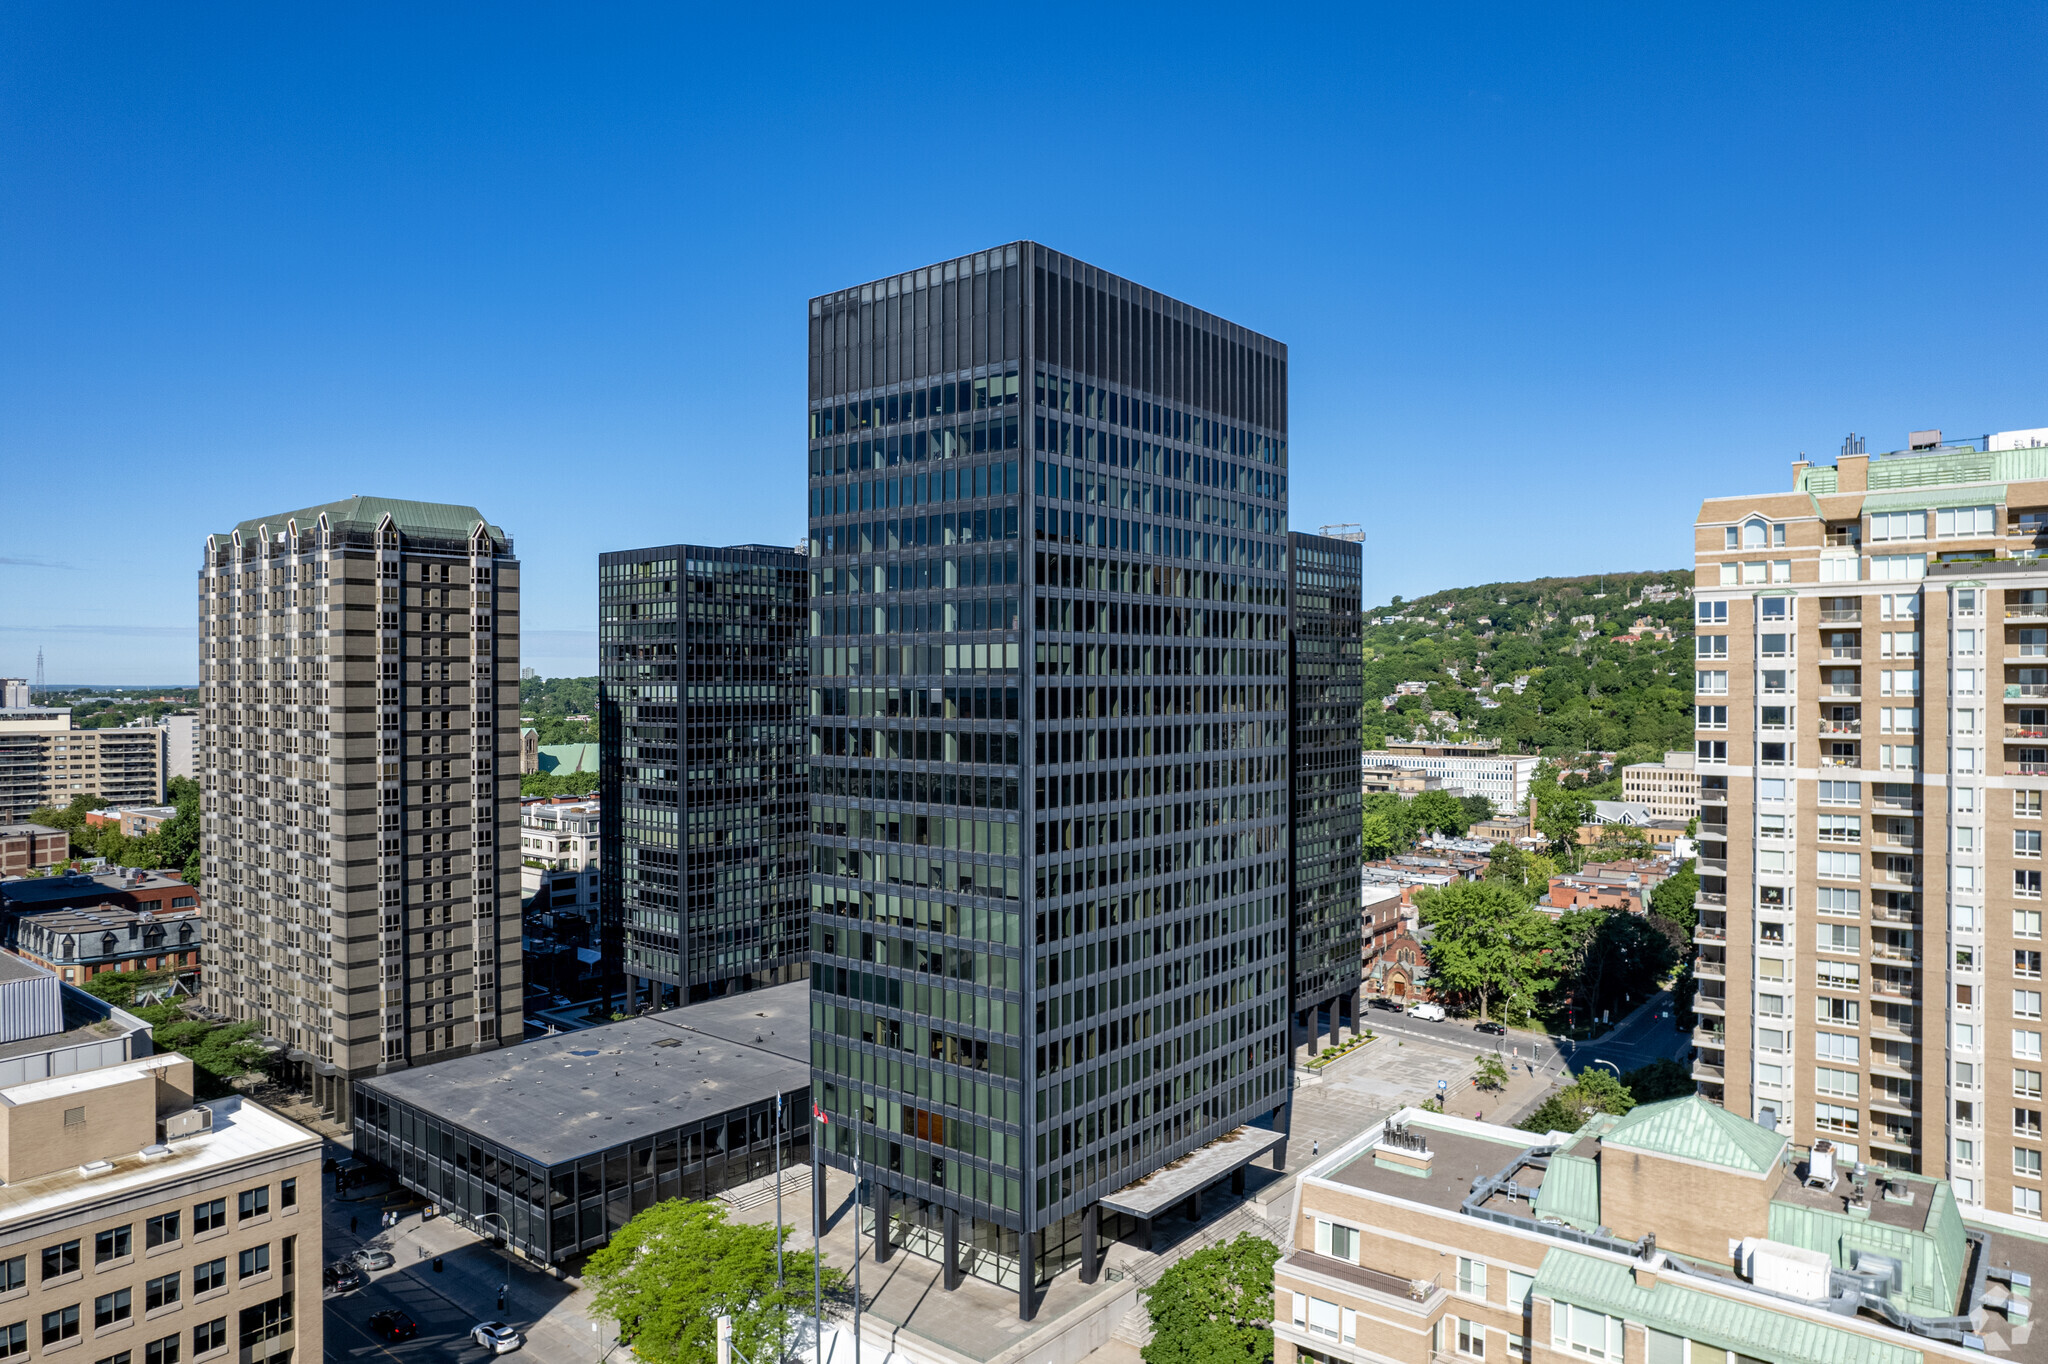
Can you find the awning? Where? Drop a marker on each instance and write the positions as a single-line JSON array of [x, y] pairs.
[[1193, 1172]]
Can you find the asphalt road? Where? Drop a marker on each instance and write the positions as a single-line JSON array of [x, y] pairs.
[[1644, 1036]]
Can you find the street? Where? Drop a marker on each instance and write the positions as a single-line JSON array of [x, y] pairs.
[[1642, 1037], [448, 1302]]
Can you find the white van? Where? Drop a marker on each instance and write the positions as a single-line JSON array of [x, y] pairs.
[[1429, 1013]]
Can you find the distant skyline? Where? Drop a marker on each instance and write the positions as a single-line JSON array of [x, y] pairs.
[[1548, 277]]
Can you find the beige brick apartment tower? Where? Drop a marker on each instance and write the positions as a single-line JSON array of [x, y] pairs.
[[359, 668], [1872, 744]]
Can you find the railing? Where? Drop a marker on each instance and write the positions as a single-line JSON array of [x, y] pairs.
[[1836, 615], [2026, 732], [2027, 611], [1719, 864], [1841, 689], [1715, 899], [1710, 1004], [1837, 760], [2025, 769], [1879, 952], [1707, 933], [1703, 1071], [1713, 830], [1841, 727], [1893, 989], [1710, 970], [1845, 651], [2026, 690], [1710, 1037], [1894, 841], [1879, 1023]]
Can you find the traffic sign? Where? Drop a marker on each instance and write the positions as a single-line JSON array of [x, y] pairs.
[[1442, 1085]]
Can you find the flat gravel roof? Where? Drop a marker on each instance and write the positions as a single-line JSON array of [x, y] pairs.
[[558, 1098]]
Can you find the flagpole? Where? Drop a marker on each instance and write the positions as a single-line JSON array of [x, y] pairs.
[[778, 1191], [817, 1241]]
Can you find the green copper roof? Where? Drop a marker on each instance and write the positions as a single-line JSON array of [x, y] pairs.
[[1749, 1328], [1693, 1129], [1570, 1192], [562, 759], [1818, 481], [1932, 1259], [1965, 495], [441, 520]]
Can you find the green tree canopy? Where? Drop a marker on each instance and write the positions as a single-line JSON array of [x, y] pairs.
[[1594, 1090], [1486, 942], [1674, 897], [1440, 812], [674, 1269], [1215, 1306]]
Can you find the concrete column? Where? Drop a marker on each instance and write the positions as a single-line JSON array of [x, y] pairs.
[[818, 1213], [1355, 1029], [1283, 1117], [1027, 1275], [879, 1196], [1315, 1028], [1194, 1206], [952, 1250], [1237, 1181], [1145, 1232], [1091, 1246]]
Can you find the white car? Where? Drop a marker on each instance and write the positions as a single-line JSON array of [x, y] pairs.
[[496, 1337], [1429, 1013]]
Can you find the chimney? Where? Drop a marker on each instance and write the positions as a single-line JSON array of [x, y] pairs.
[[1852, 474], [1799, 468]]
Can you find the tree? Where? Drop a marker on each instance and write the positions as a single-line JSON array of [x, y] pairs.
[[1595, 1090], [1491, 1073], [1214, 1306], [674, 1269], [1478, 809], [1559, 811], [1486, 941], [557, 783], [1657, 1081], [1440, 812], [1674, 897], [119, 988]]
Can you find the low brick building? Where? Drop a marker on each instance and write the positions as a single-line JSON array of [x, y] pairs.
[[31, 847]]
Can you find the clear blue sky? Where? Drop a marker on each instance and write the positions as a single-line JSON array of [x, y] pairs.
[[1549, 274]]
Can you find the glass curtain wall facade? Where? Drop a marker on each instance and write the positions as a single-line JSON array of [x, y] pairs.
[[1049, 745], [551, 1212], [1327, 686], [702, 664]]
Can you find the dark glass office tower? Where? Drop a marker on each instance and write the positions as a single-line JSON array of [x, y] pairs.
[[1049, 748], [1326, 686], [703, 889]]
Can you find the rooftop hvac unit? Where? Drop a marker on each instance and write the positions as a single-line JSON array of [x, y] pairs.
[[190, 1123], [1792, 1270]]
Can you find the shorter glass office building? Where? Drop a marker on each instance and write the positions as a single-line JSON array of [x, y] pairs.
[[556, 1143]]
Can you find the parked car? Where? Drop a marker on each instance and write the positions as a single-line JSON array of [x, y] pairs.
[[394, 1325], [374, 1259], [496, 1336], [342, 1277], [1492, 1029], [1387, 1002], [1429, 1013]]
